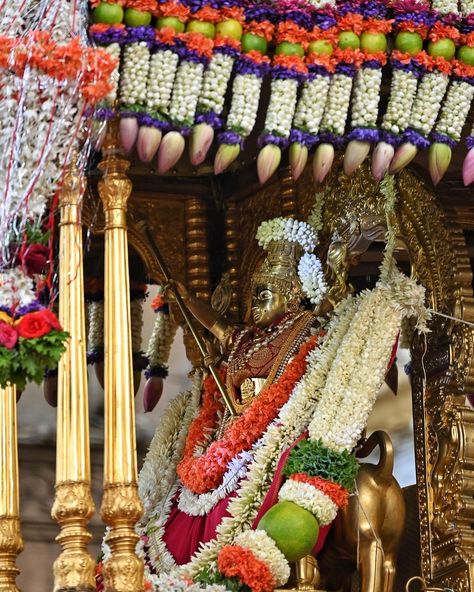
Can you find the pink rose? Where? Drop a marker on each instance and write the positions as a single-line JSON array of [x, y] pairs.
[[8, 335]]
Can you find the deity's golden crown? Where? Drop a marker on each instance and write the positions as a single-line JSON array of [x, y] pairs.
[[279, 268]]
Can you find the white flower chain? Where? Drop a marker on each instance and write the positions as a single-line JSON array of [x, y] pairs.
[[115, 51], [214, 86], [313, 281], [265, 549], [400, 103], [163, 66], [287, 229], [281, 107], [455, 109], [427, 102], [310, 108], [186, 89], [161, 340], [366, 96], [337, 104], [134, 75], [244, 106], [467, 7], [95, 318], [310, 498], [445, 6]]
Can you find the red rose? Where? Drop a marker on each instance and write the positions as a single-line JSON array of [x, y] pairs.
[[8, 335], [34, 324], [35, 258], [52, 319]]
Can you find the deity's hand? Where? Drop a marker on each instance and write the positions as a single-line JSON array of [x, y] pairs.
[[174, 287]]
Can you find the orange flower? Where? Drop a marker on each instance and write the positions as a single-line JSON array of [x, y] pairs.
[[207, 13], [326, 61], [291, 62], [143, 5], [330, 35], [166, 35], [233, 12], [461, 69], [413, 27], [257, 57], [197, 42], [103, 28], [291, 32], [158, 302], [235, 561], [377, 26], [175, 9], [263, 29], [338, 494], [440, 31], [351, 22], [379, 56], [203, 473], [222, 40], [348, 56], [468, 39], [442, 65]]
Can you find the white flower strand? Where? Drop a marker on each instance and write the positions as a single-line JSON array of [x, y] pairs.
[[163, 67], [186, 90], [310, 498], [366, 96], [445, 6], [95, 317], [161, 340], [281, 107], [337, 104], [114, 50], [400, 103], [134, 75], [264, 548], [467, 7], [244, 106], [455, 109], [215, 82], [287, 229], [313, 281], [310, 108], [427, 102]]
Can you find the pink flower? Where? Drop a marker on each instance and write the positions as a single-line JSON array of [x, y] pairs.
[[8, 335]]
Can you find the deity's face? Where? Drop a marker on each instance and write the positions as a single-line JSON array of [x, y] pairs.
[[268, 303]]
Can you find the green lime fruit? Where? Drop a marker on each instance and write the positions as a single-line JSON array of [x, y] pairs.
[[170, 21], [251, 42], [320, 47], [409, 42], [289, 49], [109, 14], [373, 42], [294, 529], [444, 48], [204, 27], [229, 28], [348, 39], [137, 18], [466, 55]]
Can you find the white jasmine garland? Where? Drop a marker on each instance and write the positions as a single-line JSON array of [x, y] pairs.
[[310, 498], [445, 6], [427, 102], [163, 66], [467, 7], [366, 96], [186, 89], [161, 340], [169, 583], [95, 318], [134, 75], [337, 104], [115, 51], [310, 107], [281, 107], [400, 103], [214, 86], [313, 281], [455, 109], [265, 549], [287, 229], [244, 106]]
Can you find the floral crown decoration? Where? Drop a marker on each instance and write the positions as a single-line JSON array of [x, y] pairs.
[[310, 271]]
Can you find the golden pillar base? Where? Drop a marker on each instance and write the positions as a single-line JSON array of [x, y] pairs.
[[11, 545], [73, 507]]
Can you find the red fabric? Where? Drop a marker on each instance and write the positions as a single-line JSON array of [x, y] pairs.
[[183, 533]]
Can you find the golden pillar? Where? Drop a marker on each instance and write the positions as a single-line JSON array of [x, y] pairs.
[[121, 505], [11, 543], [73, 506]]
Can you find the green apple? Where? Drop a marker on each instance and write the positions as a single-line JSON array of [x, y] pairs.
[[251, 42], [466, 55], [137, 18], [289, 49], [204, 27], [170, 21], [409, 42], [229, 28], [373, 42], [320, 47], [444, 48], [109, 14], [348, 39]]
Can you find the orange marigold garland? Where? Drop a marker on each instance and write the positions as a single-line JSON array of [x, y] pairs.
[[236, 561]]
